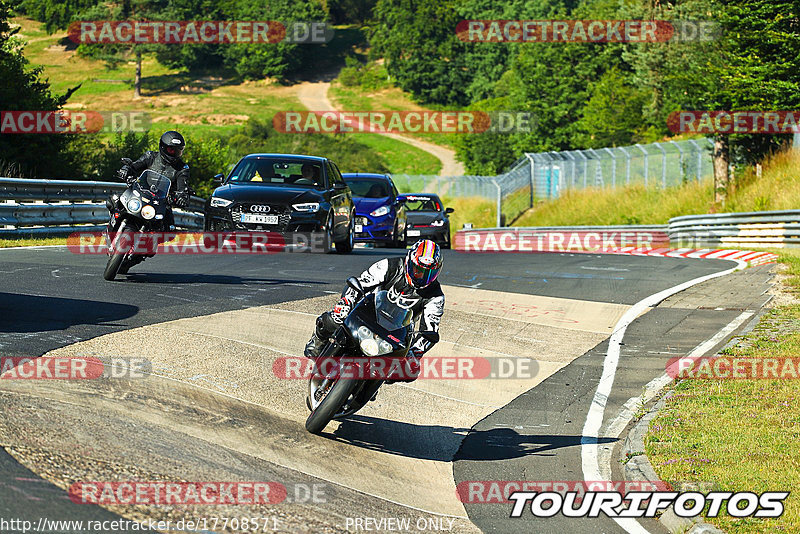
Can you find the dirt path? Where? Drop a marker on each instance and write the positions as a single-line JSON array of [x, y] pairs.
[[314, 96]]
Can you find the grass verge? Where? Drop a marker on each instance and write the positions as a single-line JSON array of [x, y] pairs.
[[740, 435], [32, 241], [777, 188]]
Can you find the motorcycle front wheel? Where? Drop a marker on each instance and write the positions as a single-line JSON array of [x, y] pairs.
[[330, 405], [118, 253]]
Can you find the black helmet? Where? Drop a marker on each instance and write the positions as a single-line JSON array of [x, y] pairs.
[[171, 146]]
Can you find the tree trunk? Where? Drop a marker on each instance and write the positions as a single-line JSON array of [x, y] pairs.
[[137, 82], [721, 162]]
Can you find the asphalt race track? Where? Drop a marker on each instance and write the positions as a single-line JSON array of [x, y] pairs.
[[213, 409]]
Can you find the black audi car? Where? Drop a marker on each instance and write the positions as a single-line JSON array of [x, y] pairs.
[[287, 194], [426, 218]]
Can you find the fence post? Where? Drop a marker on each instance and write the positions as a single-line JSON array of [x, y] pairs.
[[532, 173], [585, 165], [699, 158], [627, 165], [680, 151], [646, 167], [663, 165], [598, 172], [613, 167], [499, 201]]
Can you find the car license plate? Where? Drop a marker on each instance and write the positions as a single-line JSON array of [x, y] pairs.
[[251, 218], [412, 233], [359, 228]]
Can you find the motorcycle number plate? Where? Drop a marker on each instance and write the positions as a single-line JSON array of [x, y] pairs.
[[251, 218], [359, 228], [412, 233]]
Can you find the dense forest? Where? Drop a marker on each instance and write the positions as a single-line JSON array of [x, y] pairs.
[[582, 95]]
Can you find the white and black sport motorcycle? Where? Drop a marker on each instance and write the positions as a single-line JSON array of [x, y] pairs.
[[345, 376]]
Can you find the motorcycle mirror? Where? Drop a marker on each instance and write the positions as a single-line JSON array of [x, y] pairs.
[[356, 285], [429, 335]]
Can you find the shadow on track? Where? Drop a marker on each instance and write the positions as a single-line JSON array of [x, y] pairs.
[[179, 278], [32, 313], [446, 444]]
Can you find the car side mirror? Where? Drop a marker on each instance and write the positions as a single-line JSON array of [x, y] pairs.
[[429, 335], [449, 210], [401, 199], [339, 186], [126, 161], [218, 178], [353, 283]]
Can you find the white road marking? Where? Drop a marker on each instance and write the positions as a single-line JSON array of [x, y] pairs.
[[652, 388], [594, 419]]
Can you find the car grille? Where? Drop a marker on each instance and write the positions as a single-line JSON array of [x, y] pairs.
[[283, 213]]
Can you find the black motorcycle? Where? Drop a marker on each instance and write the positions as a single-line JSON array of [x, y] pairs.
[[141, 208], [344, 377]]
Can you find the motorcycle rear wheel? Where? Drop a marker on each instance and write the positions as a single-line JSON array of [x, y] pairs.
[[330, 405]]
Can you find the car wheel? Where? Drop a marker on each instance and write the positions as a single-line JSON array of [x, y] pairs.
[[328, 245], [346, 245], [401, 240]]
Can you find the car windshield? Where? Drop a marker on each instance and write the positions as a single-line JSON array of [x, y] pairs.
[[155, 182], [388, 314], [277, 172], [368, 188], [420, 203]]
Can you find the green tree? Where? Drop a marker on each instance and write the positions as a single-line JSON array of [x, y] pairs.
[[22, 88], [613, 115]]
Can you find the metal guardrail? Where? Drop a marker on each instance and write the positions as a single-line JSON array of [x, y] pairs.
[[62, 206], [750, 229]]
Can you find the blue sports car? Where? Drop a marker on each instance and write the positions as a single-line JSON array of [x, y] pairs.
[[380, 214]]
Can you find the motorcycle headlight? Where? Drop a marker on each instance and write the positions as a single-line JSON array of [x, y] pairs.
[[384, 347], [134, 205], [148, 212], [370, 347], [217, 202], [308, 206], [363, 332], [440, 222], [383, 210]]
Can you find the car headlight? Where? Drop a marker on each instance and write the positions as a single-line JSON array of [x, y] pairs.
[[308, 206], [217, 202], [383, 210], [134, 205], [148, 212], [438, 223]]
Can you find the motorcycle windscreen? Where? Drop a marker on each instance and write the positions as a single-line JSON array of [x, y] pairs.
[[388, 314], [155, 182]]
